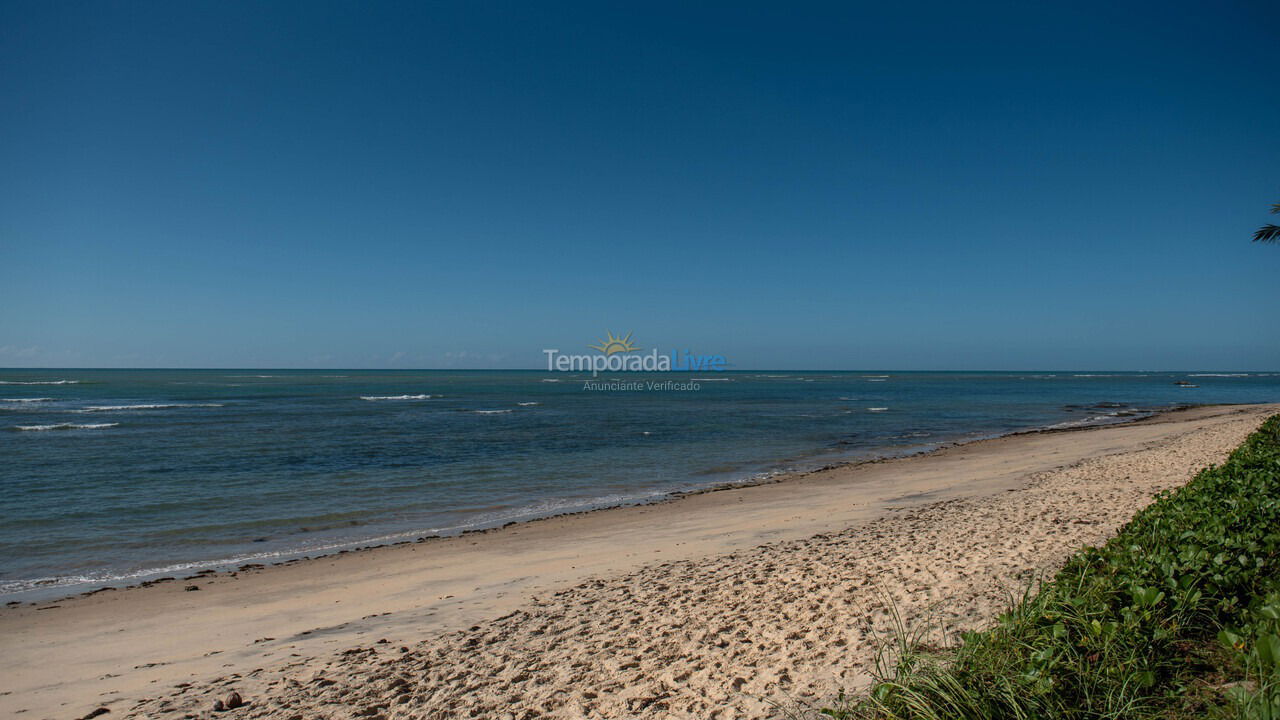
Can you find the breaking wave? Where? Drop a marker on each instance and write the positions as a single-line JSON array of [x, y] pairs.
[[152, 406], [65, 426]]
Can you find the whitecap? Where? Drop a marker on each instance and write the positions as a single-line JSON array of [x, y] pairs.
[[26, 400], [150, 406], [39, 382], [395, 397], [66, 426], [1218, 375], [491, 412], [527, 404], [881, 409]]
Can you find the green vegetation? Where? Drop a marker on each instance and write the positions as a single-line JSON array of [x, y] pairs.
[[1269, 233], [1178, 616]]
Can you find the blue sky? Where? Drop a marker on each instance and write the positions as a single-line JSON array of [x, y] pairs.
[[907, 186]]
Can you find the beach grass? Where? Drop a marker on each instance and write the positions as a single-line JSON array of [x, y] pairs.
[[1177, 616]]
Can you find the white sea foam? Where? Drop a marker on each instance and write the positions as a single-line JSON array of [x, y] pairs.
[[1218, 375], [491, 412], [39, 382], [395, 397], [875, 376], [877, 379], [26, 400], [880, 409], [148, 406], [527, 404], [550, 380], [1084, 422], [66, 426]]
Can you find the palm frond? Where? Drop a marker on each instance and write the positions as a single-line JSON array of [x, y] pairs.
[[1275, 209], [1267, 234]]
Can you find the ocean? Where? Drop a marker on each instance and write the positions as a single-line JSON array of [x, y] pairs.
[[109, 477]]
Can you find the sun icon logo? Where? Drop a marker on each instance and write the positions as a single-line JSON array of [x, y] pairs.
[[613, 345]]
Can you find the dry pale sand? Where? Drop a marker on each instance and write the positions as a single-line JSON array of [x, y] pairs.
[[717, 605]]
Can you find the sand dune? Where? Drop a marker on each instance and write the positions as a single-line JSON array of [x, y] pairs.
[[723, 605]]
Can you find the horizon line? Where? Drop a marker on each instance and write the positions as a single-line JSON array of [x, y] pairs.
[[641, 372]]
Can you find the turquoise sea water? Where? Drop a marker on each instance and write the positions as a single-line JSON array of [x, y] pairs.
[[109, 476]]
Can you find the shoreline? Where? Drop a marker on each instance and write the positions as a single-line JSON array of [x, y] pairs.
[[43, 595], [158, 649]]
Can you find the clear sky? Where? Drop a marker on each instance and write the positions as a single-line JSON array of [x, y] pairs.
[[880, 185]]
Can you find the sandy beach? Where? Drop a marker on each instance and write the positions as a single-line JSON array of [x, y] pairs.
[[727, 604]]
